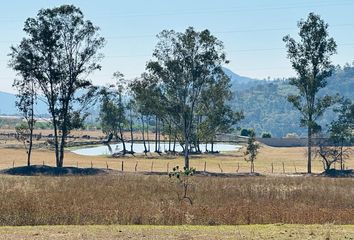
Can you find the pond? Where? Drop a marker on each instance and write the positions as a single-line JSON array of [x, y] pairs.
[[139, 148]]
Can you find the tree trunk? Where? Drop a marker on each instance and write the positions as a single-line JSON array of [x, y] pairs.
[[122, 140], [174, 143], [186, 153], [143, 133], [131, 134], [169, 137], [309, 146], [212, 146], [147, 136], [156, 133]]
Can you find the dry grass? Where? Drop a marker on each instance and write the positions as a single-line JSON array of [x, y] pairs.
[[179, 232], [141, 199], [294, 160]]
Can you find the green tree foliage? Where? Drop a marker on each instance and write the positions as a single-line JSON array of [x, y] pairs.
[[341, 130], [25, 103], [113, 110], [59, 51], [186, 64], [245, 132], [214, 114], [310, 58], [266, 135], [252, 149]]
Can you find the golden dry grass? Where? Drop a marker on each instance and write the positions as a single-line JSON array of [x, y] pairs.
[[153, 200], [294, 160], [278, 231]]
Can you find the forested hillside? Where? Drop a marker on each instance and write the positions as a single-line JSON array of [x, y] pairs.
[[266, 107]]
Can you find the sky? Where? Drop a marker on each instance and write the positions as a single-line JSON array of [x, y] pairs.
[[251, 31]]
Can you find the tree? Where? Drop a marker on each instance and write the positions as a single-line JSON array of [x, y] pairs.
[[26, 98], [341, 130], [216, 115], [113, 110], [245, 132], [310, 58], [266, 135], [185, 64], [59, 52], [252, 149]]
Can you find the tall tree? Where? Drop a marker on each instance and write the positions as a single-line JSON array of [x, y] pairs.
[[26, 99], [185, 63], [310, 58], [60, 50]]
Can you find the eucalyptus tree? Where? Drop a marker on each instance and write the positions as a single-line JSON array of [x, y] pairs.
[[185, 63], [341, 130], [26, 98], [252, 149], [59, 51], [310, 58], [216, 115]]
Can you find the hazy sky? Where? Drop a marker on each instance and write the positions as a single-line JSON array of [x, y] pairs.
[[251, 30]]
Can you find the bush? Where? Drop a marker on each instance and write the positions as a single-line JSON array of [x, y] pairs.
[[266, 135], [245, 132]]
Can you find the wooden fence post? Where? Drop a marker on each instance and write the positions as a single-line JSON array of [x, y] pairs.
[[283, 167], [168, 167], [91, 164], [77, 164], [152, 166], [205, 166], [272, 168], [238, 167], [136, 166], [220, 168], [107, 165], [13, 163], [122, 166]]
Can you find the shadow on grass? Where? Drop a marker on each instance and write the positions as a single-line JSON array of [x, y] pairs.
[[43, 170]]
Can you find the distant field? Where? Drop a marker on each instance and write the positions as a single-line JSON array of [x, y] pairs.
[[246, 232], [294, 160]]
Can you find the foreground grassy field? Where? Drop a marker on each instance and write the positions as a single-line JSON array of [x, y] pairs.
[[180, 232], [294, 160], [141, 199]]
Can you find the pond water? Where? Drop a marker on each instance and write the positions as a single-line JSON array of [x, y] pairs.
[[139, 148]]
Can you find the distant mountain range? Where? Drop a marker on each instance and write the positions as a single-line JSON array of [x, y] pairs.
[[264, 102]]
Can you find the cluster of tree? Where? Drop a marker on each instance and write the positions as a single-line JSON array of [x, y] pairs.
[[184, 91]]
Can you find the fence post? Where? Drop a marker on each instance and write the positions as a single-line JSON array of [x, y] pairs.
[[220, 168], [77, 164], [91, 165], [295, 168], [107, 165], [272, 168], [152, 166], [205, 166], [136, 166], [168, 166], [122, 166], [13, 163], [283, 167], [238, 167]]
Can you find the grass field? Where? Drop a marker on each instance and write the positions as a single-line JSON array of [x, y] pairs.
[[145, 199], [294, 160], [94, 232]]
